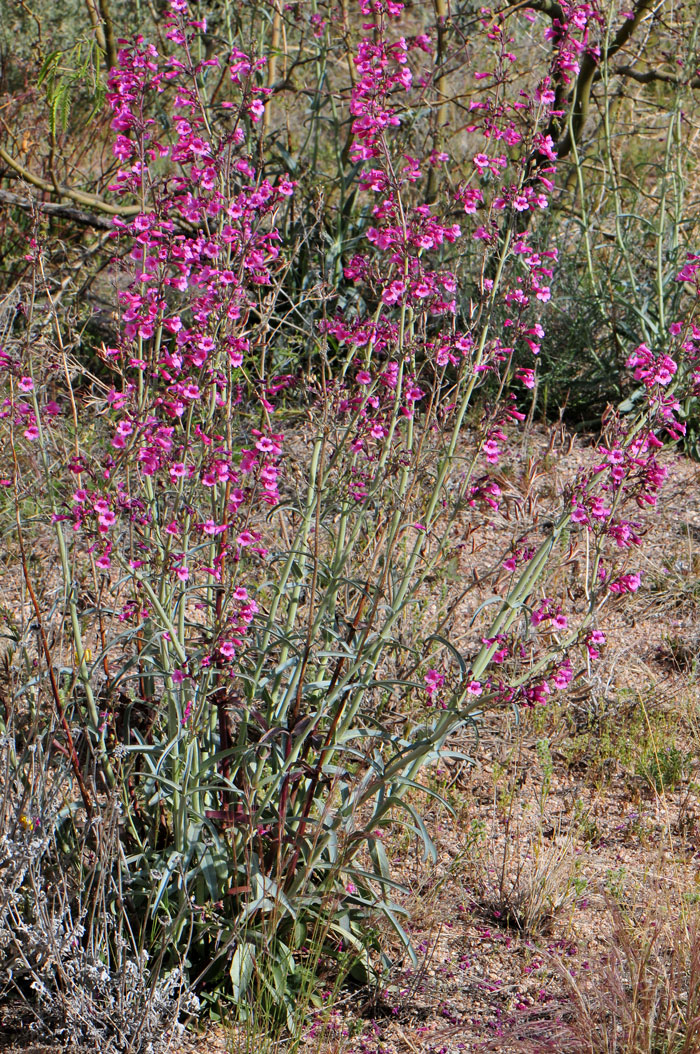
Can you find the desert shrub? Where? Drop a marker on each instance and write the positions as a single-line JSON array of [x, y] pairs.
[[663, 767]]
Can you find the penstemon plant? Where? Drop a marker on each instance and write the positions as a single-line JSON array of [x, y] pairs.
[[248, 528]]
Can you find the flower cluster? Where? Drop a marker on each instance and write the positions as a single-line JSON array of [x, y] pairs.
[[193, 456], [178, 490]]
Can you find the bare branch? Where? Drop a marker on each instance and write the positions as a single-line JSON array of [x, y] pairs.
[[50, 208], [550, 8], [649, 76], [78, 196]]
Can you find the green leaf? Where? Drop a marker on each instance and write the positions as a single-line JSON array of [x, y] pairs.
[[241, 970]]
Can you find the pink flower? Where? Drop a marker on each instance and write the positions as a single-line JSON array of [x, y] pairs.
[[267, 446], [26, 384], [209, 527], [433, 681], [475, 688], [626, 584], [562, 677], [492, 451], [256, 109], [393, 292], [122, 148], [526, 376], [286, 186]]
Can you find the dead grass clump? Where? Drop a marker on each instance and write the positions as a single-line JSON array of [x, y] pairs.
[[528, 882], [641, 997]]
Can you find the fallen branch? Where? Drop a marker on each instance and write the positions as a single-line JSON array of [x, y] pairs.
[[78, 196], [51, 208]]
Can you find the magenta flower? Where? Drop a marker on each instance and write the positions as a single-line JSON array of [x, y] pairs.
[[211, 528]]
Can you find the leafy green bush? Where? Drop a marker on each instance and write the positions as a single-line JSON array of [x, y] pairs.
[[239, 536]]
